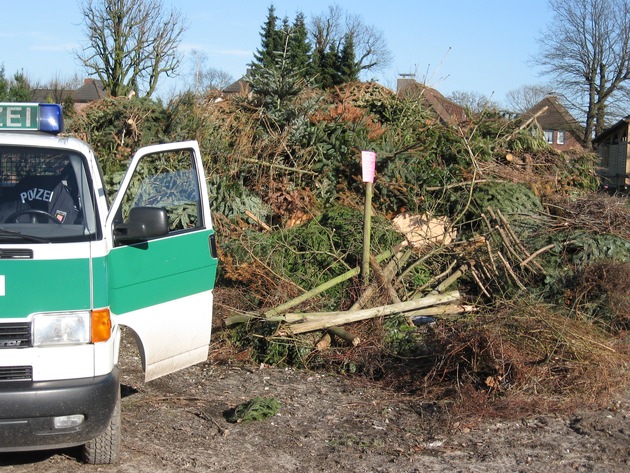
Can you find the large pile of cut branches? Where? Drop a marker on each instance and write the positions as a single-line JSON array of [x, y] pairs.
[[497, 272]]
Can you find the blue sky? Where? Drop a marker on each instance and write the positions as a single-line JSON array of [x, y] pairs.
[[481, 46]]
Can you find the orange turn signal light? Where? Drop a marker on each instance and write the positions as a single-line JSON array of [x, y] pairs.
[[101, 325]]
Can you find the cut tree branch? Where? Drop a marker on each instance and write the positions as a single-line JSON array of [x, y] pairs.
[[324, 320]]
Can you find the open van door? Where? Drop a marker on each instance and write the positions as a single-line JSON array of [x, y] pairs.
[[162, 263]]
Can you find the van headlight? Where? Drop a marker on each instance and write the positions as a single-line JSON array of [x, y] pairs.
[[61, 328]]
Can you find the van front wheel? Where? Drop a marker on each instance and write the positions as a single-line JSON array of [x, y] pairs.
[[105, 449]]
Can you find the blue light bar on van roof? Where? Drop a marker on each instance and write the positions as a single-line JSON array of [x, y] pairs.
[[46, 117]]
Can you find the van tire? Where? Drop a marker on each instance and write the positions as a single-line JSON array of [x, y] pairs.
[[105, 449]]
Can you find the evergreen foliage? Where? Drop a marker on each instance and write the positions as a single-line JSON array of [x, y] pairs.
[[299, 48], [299, 157], [329, 73], [347, 60], [508, 197], [257, 409], [115, 128], [324, 65], [20, 89], [4, 84], [17, 89], [271, 43], [281, 70], [325, 247]]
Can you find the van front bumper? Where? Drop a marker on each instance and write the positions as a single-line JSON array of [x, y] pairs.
[[28, 410]]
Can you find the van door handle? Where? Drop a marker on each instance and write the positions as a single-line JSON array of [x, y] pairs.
[[212, 243]]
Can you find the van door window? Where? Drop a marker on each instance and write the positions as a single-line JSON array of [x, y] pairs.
[[167, 180]]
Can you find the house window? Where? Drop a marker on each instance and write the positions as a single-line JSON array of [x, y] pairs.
[[560, 137], [549, 136]]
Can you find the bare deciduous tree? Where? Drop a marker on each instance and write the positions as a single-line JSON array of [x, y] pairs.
[[205, 78], [525, 97], [586, 50], [472, 101], [331, 27], [60, 87], [131, 44]]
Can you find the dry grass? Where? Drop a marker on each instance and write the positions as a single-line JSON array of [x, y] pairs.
[[604, 287], [520, 359]]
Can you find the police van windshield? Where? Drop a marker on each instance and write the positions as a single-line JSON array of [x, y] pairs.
[[45, 195]]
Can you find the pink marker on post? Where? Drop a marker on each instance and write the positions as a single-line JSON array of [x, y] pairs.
[[368, 164]]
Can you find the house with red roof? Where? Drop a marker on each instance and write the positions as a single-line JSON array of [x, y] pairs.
[[562, 131], [445, 111]]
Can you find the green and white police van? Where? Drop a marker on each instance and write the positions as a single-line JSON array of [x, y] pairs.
[[75, 269]]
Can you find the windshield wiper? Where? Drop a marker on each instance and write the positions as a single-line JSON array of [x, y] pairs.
[[22, 236]]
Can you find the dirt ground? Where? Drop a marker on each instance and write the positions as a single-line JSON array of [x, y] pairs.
[[331, 423]]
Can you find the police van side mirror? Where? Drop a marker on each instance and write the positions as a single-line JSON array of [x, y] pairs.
[[143, 223]]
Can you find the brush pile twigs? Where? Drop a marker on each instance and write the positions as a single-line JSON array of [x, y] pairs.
[[501, 259], [497, 262], [599, 213], [436, 302]]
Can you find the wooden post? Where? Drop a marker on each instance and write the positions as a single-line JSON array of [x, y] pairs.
[[368, 168], [367, 228]]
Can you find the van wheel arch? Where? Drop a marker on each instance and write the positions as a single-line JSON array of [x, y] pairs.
[[129, 336]]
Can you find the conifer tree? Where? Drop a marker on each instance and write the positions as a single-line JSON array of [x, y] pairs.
[[277, 81], [299, 48], [348, 69], [316, 64], [329, 72], [19, 88], [4, 84], [282, 65], [282, 35], [285, 47], [271, 42]]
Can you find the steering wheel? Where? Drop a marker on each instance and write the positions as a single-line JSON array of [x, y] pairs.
[[32, 212]]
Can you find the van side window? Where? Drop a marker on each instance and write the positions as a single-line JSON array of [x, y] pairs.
[[167, 180]]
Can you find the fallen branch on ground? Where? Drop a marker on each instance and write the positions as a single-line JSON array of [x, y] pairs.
[[442, 311], [324, 320]]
